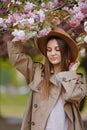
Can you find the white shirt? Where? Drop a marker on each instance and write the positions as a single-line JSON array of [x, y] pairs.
[[57, 119]]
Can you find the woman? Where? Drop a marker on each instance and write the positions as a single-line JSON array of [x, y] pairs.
[[56, 90]]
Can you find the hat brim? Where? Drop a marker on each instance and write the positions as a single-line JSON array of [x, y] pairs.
[[63, 35]]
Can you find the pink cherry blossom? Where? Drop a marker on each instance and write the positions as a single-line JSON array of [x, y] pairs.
[[44, 32], [2, 23], [18, 16], [70, 11], [78, 13], [49, 5], [76, 19], [28, 7], [19, 35], [83, 8], [32, 15], [52, 4], [41, 15], [4, 0]]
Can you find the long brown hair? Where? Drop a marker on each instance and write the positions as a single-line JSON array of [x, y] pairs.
[[65, 62]]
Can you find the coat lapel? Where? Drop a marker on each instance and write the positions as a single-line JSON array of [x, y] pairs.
[[53, 80], [68, 80]]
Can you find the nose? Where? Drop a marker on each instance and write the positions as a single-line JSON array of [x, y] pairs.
[[53, 52]]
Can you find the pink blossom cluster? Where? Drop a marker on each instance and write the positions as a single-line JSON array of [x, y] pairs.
[[49, 5], [2, 23], [4, 0], [30, 22], [36, 21], [78, 13]]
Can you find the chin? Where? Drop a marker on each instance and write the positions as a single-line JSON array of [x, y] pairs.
[[55, 63]]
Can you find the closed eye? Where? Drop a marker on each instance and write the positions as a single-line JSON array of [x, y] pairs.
[[57, 48], [49, 49]]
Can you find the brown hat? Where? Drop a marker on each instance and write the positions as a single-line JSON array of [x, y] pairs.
[[59, 32]]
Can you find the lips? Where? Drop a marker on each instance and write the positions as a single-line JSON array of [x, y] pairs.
[[53, 58]]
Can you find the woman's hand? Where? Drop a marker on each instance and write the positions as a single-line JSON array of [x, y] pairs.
[[74, 65]]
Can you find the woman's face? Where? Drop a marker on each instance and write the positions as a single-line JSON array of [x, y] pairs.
[[53, 52]]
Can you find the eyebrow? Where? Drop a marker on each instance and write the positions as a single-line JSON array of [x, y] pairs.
[[55, 47]]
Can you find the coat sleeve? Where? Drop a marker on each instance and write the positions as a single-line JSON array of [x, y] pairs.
[[21, 61], [74, 87]]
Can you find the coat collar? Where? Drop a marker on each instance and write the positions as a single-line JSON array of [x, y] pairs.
[[62, 76], [67, 75]]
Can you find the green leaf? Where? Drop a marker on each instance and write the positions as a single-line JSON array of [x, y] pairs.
[[27, 31], [14, 9]]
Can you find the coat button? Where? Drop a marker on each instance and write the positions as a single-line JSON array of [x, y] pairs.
[[38, 88], [28, 122], [32, 123], [35, 105], [64, 79]]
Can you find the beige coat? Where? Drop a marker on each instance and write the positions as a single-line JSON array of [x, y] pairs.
[[38, 108]]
